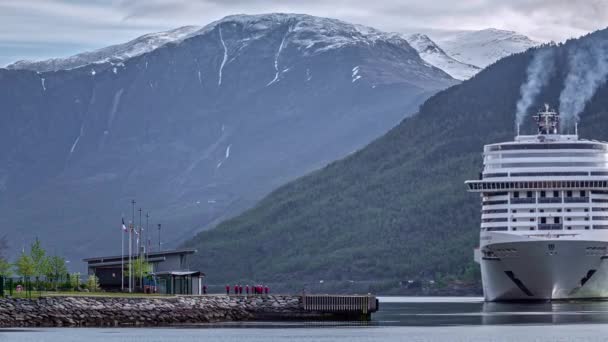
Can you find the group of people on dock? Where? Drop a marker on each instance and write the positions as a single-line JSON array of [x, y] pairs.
[[255, 290]]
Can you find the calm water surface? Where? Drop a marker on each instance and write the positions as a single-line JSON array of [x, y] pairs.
[[400, 319]]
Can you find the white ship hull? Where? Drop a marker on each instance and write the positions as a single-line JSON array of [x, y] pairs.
[[545, 270]]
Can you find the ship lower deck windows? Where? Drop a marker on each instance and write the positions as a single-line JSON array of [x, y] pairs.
[[495, 211], [494, 202], [599, 209], [537, 184], [549, 226], [496, 229], [496, 219]]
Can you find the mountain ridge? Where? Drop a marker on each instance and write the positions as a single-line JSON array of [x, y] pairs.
[[433, 54], [485, 46], [195, 132]]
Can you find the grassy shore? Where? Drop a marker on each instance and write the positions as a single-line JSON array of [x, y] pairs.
[[37, 294]]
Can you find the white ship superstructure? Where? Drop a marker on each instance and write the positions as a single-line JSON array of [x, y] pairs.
[[544, 219]]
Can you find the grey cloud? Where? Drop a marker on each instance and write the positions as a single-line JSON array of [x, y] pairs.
[[103, 22]]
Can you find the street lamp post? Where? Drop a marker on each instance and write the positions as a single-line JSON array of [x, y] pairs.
[[159, 237], [131, 245]]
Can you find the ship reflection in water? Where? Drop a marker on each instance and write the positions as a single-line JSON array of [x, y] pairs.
[[460, 311]]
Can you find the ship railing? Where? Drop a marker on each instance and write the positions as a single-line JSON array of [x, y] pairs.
[[522, 200], [550, 226], [576, 199], [550, 200]]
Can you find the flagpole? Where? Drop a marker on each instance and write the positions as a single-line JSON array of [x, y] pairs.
[[131, 246], [122, 257], [139, 236]]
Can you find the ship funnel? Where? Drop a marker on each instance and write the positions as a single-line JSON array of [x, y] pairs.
[[547, 121]]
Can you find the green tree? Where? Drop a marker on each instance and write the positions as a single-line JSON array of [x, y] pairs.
[[25, 266], [75, 280], [3, 246], [93, 283], [56, 269], [5, 268], [41, 262], [141, 268]]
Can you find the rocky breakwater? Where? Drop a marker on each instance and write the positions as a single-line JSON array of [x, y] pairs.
[[146, 311]]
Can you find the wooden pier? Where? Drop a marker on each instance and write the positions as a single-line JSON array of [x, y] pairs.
[[355, 307]]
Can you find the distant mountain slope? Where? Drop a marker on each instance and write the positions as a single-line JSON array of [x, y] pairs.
[[111, 54], [397, 209], [195, 130], [484, 47], [433, 54]]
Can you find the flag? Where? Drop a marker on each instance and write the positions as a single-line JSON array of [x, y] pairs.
[[124, 227]]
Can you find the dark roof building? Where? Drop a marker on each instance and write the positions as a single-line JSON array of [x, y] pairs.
[[171, 271]]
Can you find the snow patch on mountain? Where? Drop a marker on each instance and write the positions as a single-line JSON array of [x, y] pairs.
[[310, 34], [111, 54], [434, 55], [219, 77], [484, 47]]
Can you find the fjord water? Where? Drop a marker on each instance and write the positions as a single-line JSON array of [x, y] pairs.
[[399, 319]]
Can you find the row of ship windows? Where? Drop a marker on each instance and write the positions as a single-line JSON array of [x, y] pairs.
[[536, 184], [542, 227], [549, 146], [543, 219], [554, 154], [503, 251], [514, 211], [544, 193], [552, 173], [533, 201], [544, 164]]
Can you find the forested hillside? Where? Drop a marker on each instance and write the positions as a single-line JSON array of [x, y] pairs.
[[398, 208]]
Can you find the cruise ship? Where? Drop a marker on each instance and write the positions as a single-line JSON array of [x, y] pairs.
[[544, 216]]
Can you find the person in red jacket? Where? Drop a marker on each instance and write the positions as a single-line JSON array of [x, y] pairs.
[[227, 290], [236, 289], [247, 290]]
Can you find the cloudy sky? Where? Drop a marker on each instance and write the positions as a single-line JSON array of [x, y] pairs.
[[38, 29]]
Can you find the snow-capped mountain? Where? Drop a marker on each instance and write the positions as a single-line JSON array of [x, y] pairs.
[[111, 54], [484, 47], [198, 129], [433, 54]]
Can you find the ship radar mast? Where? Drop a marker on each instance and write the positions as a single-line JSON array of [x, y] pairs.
[[547, 121]]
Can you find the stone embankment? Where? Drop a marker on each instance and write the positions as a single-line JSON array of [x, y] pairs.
[[146, 311]]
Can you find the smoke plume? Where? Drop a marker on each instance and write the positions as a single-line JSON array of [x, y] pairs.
[[538, 73], [588, 68]]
